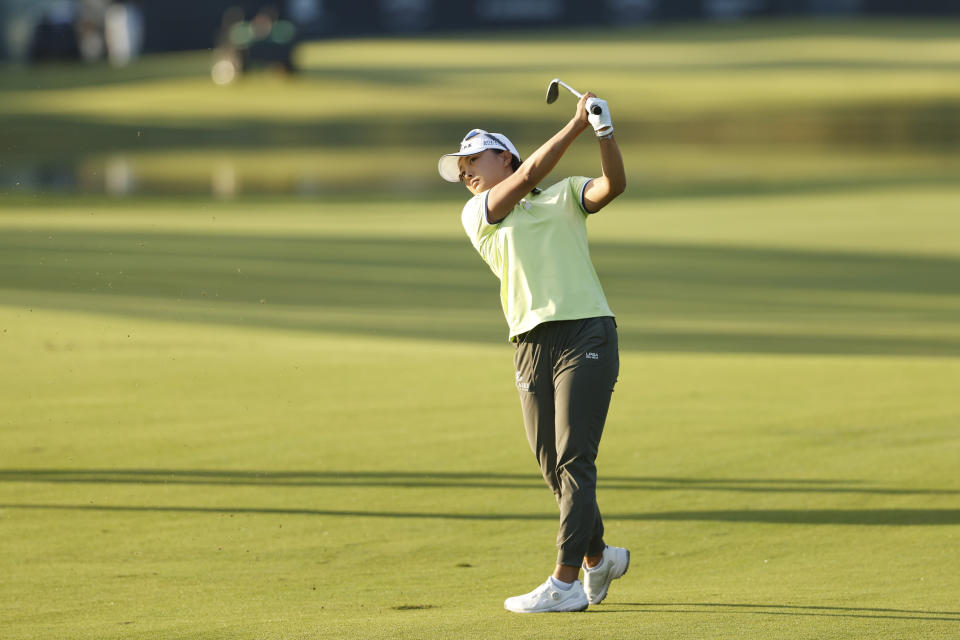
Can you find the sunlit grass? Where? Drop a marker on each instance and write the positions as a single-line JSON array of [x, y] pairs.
[[292, 416]]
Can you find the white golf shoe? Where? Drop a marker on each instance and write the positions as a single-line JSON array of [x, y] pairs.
[[547, 598], [596, 581]]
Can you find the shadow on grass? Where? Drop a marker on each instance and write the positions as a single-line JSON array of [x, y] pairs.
[[461, 480], [777, 610], [855, 517], [932, 125], [442, 480], [74, 75], [722, 299]]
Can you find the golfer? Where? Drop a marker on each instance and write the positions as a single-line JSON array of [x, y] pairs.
[[565, 337]]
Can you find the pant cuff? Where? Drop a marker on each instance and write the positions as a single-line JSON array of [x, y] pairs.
[[569, 558], [596, 548]]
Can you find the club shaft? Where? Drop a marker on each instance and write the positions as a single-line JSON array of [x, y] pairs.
[[570, 89]]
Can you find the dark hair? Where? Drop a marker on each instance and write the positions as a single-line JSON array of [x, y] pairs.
[[515, 164]]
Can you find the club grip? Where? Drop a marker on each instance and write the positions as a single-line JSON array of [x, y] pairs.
[[596, 109]]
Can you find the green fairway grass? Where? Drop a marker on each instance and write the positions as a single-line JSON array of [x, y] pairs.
[[291, 414]]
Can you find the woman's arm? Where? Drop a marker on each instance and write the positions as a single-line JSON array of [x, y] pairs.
[[601, 191], [505, 195]]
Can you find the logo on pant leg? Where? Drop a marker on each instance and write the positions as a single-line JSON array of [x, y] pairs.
[[523, 386]]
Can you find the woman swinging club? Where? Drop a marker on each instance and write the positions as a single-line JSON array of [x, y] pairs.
[[564, 334]]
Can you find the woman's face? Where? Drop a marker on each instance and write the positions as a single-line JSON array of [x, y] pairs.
[[483, 170]]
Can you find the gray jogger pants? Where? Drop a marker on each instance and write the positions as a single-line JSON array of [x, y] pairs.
[[566, 372]]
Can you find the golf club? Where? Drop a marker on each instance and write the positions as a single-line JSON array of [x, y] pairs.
[[554, 90]]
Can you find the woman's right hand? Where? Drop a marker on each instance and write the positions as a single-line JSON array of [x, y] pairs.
[[582, 115]]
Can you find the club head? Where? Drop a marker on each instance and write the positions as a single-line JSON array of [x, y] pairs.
[[553, 91]]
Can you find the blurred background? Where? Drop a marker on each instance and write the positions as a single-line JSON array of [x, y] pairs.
[[788, 161], [303, 97]]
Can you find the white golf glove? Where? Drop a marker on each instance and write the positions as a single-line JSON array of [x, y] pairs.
[[602, 122]]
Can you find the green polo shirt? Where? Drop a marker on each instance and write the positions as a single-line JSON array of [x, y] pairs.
[[540, 253]]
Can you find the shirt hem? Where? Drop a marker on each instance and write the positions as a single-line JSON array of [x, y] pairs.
[[579, 316]]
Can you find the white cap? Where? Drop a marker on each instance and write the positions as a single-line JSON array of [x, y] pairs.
[[475, 141]]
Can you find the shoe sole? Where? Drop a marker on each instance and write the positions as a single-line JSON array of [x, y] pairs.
[[583, 608], [559, 608], [604, 594]]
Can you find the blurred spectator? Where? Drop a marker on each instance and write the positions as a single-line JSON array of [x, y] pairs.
[[271, 44], [54, 37], [303, 12], [227, 57], [123, 30], [89, 28], [266, 41], [69, 30]]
